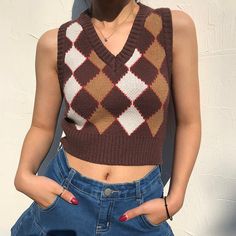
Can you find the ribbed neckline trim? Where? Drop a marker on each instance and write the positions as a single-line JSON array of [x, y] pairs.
[[113, 60]]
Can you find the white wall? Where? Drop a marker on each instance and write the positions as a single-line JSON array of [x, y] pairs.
[[210, 201]]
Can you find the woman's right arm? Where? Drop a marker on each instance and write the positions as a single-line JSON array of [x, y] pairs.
[[40, 135]]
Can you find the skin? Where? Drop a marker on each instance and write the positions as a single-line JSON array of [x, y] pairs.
[[107, 14]]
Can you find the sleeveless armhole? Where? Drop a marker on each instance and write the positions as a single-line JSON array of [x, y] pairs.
[[168, 32], [60, 54]]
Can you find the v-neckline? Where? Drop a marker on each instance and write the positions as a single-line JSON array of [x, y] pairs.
[[102, 51]]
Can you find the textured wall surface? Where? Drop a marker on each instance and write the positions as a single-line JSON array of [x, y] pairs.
[[210, 202]]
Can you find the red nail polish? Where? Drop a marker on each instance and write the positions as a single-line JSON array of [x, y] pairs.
[[123, 218], [74, 201]]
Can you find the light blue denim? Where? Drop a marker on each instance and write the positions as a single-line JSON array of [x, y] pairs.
[[100, 206]]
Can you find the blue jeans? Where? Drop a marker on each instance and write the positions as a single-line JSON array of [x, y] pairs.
[[100, 206]]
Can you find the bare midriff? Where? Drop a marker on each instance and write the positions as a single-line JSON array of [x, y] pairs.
[[108, 173]]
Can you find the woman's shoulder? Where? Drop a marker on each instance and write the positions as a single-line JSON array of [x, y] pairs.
[[47, 41], [182, 22], [184, 30]]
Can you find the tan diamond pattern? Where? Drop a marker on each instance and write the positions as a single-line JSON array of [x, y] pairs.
[[160, 87], [102, 119], [93, 57], [155, 54], [153, 24], [99, 87], [154, 122]]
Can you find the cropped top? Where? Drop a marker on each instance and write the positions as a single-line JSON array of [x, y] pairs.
[[116, 105]]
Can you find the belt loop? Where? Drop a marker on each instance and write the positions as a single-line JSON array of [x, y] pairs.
[[69, 178], [160, 167], [59, 147], [138, 189]]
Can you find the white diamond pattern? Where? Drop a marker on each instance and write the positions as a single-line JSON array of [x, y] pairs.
[[79, 120], [131, 85], [73, 31], [130, 119], [72, 87], [74, 58], [136, 55], [63, 134]]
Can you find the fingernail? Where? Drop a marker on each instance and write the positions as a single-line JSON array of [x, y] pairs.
[[123, 218], [74, 201]]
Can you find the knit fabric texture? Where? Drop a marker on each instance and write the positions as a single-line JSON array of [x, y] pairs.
[[116, 105]]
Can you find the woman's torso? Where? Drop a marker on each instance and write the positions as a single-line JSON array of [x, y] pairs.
[[108, 173]]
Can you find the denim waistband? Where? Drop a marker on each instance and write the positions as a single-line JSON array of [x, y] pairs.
[[101, 189]]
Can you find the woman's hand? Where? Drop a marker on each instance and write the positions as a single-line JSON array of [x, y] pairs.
[[42, 190], [154, 210]]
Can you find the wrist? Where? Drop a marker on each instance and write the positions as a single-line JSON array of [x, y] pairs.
[[174, 203], [177, 197]]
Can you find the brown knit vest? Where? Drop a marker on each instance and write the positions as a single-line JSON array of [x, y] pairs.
[[116, 105]]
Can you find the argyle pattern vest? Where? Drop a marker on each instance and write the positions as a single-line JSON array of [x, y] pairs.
[[116, 105]]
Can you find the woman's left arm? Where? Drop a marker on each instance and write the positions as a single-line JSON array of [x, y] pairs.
[[186, 98]]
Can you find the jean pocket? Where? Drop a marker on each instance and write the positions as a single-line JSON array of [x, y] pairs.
[[51, 206], [154, 191], [64, 182], [148, 223]]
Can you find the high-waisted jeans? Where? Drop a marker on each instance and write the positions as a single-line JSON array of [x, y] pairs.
[[100, 206]]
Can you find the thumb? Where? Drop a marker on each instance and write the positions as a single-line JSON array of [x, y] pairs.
[[131, 213], [67, 196]]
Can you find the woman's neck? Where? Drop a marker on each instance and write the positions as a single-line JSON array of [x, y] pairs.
[[110, 13]]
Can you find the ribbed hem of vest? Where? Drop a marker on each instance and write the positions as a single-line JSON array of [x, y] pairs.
[[111, 149], [168, 31]]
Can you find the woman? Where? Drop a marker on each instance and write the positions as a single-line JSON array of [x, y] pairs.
[[113, 64]]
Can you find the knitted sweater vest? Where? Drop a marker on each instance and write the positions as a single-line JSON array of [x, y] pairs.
[[116, 105]]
